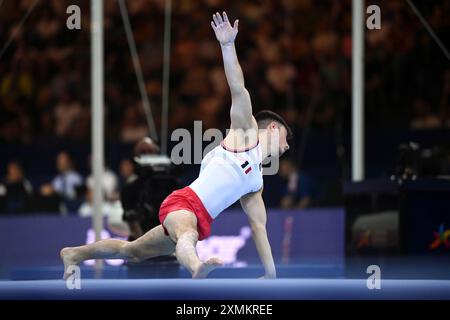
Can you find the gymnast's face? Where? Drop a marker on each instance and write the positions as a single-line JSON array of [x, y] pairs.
[[277, 139]]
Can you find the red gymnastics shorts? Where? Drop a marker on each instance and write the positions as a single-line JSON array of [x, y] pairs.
[[187, 199]]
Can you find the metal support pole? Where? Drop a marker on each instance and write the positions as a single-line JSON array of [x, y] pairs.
[[358, 90], [97, 99], [166, 77]]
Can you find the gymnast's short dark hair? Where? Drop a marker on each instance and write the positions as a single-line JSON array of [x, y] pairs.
[[264, 117]]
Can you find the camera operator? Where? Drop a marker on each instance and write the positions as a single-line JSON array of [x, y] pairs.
[[141, 196]]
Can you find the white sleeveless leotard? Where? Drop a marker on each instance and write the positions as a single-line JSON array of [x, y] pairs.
[[226, 175]]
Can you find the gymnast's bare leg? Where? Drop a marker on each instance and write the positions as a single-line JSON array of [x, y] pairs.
[[152, 244], [182, 228]]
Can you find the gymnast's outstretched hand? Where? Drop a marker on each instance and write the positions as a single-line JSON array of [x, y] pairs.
[[225, 33]]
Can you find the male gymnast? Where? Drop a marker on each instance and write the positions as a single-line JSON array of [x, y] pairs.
[[229, 172]]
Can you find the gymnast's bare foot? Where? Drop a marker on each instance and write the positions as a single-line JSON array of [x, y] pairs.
[[206, 267], [68, 256]]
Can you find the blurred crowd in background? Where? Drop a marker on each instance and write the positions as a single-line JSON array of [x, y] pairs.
[[295, 54]]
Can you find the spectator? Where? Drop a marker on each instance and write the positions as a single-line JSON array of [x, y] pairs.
[[66, 182], [424, 118], [16, 189], [298, 191], [126, 170], [133, 125], [66, 114], [110, 184], [112, 210]]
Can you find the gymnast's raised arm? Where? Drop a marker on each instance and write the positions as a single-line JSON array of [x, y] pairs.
[[241, 106]]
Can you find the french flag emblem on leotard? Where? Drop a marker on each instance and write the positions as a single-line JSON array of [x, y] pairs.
[[246, 166]]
